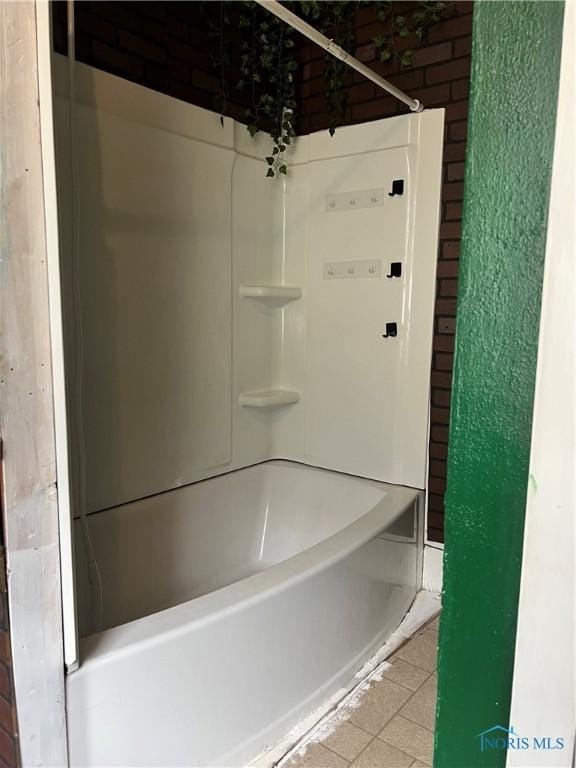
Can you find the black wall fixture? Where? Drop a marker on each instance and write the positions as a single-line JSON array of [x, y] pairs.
[[395, 269], [391, 331], [397, 188]]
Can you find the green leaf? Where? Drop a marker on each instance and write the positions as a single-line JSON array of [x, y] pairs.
[[268, 63], [405, 58], [282, 169]]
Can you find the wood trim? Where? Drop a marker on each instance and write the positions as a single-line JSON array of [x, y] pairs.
[[29, 497]]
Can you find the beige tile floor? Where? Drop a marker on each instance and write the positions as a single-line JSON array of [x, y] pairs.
[[392, 725]]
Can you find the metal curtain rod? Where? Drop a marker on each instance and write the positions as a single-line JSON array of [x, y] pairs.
[[329, 45]]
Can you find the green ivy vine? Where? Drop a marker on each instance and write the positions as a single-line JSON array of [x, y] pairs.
[[268, 64]]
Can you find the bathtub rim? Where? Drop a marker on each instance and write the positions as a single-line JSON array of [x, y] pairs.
[[273, 461], [152, 629]]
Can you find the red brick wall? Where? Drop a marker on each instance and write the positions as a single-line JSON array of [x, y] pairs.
[[9, 755], [166, 46]]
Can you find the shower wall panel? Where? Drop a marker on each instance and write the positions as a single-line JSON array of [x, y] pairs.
[[362, 232], [148, 289], [176, 220]]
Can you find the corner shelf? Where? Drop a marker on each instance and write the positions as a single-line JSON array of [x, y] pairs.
[[269, 398], [285, 292]]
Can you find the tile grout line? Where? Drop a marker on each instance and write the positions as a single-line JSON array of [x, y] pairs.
[[412, 690], [375, 737], [395, 655], [407, 717], [333, 751], [416, 759]]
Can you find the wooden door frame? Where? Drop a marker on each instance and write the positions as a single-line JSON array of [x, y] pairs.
[[27, 412]]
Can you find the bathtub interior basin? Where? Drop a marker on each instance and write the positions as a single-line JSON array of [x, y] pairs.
[[170, 548]]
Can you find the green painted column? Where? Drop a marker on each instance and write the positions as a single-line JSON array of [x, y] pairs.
[[515, 67]]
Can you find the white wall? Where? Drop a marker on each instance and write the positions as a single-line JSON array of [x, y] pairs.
[[175, 215], [544, 685], [432, 572]]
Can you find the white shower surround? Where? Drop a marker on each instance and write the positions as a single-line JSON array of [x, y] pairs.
[[183, 245], [311, 571], [244, 663]]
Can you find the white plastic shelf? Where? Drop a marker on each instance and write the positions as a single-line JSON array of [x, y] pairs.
[[269, 398], [285, 292]]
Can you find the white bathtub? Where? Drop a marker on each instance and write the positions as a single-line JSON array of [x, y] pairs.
[[234, 607]]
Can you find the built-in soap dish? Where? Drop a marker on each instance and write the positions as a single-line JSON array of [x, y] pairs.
[[269, 398]]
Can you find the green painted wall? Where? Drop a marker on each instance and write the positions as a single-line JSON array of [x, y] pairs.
[[515, 66]]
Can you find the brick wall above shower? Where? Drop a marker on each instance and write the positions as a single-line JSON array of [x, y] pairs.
[[162, 45]]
